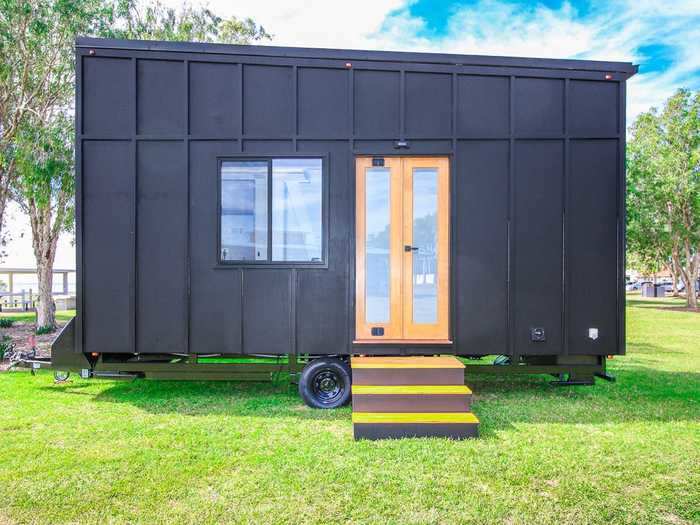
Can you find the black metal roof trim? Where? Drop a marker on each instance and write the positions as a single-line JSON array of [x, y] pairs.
[[627, 68]]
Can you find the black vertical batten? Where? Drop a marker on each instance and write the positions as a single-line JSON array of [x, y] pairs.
[[295, 106], [239, 101], [510, 316], [133, 306], [188, 248], [564, 232], [293, 311], [402, 105], [453, 328], [79, 290], [621, 217]]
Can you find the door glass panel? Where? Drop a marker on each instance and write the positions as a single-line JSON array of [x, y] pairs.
[[425, 258], [377, 244]]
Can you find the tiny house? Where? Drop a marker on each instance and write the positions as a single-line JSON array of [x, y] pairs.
[[317, 204]]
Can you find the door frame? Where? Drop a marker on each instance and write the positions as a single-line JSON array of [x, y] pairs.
[[401, 278]]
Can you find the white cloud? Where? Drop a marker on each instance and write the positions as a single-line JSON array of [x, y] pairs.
[[611, 30]]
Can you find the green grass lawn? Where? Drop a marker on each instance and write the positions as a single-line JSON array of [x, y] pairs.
[[61, 315], [194, 452]]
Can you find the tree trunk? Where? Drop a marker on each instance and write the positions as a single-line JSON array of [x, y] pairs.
[[693, 271], [44, 240], [689, 275], [45, 309], [674, 278], [4, 192]]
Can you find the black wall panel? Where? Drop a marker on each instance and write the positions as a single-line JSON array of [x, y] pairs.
[[161, 261], [161, 97], [377, 104], [428, 105], [148, 261], [214, 109], [483, 106], [268, 101], [267, 311], [107, 238], [108, 103], [481, 233], [593, 108], [215, 300], [537, 247], [323, 103], [268, 147], [539, 106], [591, 246], [323, 295]]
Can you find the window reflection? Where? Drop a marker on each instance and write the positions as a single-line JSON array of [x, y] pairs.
[[377, 243], [296, 210], [244, 211]]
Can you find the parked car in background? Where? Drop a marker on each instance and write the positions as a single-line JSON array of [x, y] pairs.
[[635, 286]]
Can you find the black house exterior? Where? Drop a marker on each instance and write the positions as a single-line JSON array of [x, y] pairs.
[[218, 212]]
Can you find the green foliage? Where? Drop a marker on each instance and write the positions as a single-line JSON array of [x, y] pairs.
[[44, 163], [154, 21], [41, 330], [5, 345], [6, 322], [663, 185]]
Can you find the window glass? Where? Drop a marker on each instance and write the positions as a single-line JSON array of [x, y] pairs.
[[244, 211], [296, 210]]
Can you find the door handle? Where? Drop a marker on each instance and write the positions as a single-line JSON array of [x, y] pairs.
[[408, 248]]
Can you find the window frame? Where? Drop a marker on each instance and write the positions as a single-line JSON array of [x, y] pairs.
[[325, 219]]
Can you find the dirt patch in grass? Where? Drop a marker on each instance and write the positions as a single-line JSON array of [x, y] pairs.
[[21, 334]]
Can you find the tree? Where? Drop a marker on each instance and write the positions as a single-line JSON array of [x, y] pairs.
[[45, 189], [663, 198], [36, 68], [155, 21], [36, 93]]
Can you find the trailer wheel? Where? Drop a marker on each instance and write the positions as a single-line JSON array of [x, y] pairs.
[[59, 376], [325, 383]]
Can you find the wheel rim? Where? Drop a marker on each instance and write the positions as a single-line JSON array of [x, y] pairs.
[[61, 376], [328, 386]]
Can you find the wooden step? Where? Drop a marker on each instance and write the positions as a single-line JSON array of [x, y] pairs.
[[392, 425], [411, 398], [407, 370]]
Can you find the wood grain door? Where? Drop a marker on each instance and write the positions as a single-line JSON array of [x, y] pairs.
[[402, 256]]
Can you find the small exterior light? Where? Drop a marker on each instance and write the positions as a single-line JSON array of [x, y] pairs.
[[91, 52], [348, 65], [608, 76]]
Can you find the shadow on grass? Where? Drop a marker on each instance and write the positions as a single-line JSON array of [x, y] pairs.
[[640, 394], [668, 303]]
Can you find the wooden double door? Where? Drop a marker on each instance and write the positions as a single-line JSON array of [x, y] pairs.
[[402, 249]]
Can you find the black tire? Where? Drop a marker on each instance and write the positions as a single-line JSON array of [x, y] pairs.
[[325, 383]]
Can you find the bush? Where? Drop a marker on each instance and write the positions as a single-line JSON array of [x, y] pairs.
[[5, 346], [6, 322], [45, 330]]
